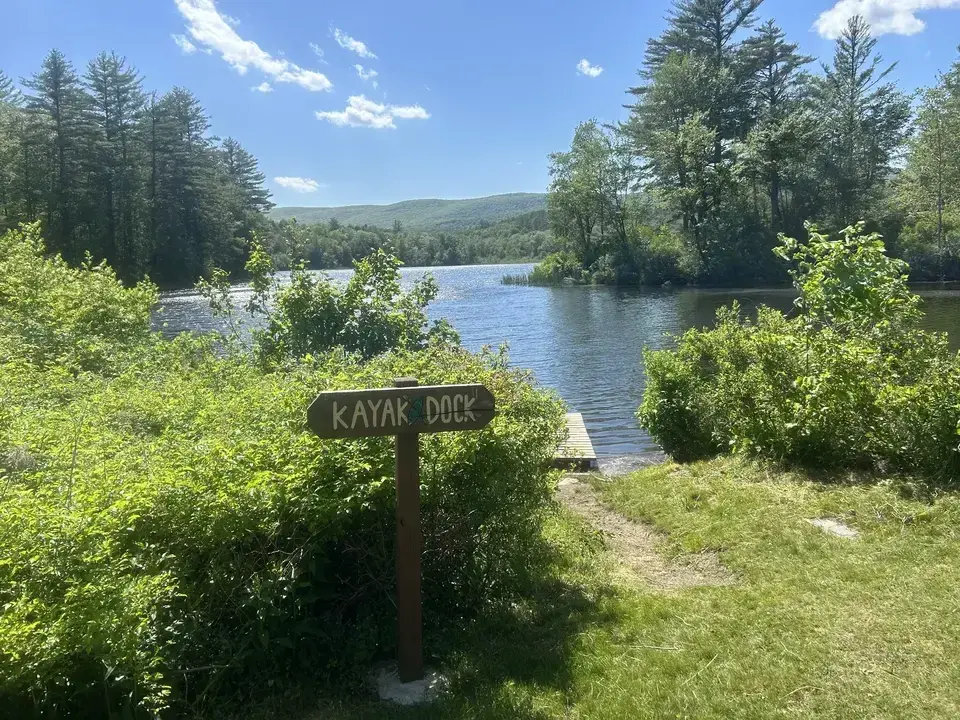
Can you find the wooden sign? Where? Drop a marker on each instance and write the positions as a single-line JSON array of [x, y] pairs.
[[395, 411], [405, 411]]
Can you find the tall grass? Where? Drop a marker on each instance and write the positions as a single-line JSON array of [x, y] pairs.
[[517, 279]]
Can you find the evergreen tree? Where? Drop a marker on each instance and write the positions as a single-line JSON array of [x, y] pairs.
[[928, 190], [9, 95], [865, 122], [116, 99], [784, 131], [694, 108], [134, 181], [59, 103], [181, 156], [708, 30], [9, 117], [243, 172]]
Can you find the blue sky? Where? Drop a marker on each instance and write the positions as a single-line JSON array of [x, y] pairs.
[[468, 97]]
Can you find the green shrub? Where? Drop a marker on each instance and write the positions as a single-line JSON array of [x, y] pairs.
[[79, 318], [515, 279], [663, 257], [370, 315], [172, 536], [555, 269], [850, 381]]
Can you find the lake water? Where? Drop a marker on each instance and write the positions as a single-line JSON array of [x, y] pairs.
[[585, 342]]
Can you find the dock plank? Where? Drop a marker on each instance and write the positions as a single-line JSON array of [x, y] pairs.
[[576, 450]]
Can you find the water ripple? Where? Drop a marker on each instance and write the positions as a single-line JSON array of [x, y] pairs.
[[585, 342]]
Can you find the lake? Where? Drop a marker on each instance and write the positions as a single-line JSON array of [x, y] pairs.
[[584, 342]]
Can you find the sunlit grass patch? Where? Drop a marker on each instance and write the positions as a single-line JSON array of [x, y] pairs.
[[817, 625]]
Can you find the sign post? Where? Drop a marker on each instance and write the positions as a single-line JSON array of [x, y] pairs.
[[405, 410], [409, 620]]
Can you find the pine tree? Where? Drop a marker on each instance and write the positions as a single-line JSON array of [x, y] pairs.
[[784, 131], [243, 172], [698, 89], [9, 95], [138, 182], [117, 99], [59, 103], [928, 189], [865, 123], [708, 30], [8, 149], [180, 152]]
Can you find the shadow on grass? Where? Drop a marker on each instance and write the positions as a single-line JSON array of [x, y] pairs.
[[508, 663], [908, 486], [531, 642], [515, 658]]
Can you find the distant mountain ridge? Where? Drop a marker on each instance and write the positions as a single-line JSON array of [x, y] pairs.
[[429, 214]]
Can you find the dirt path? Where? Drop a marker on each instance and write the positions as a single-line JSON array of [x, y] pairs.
[[635, 543]]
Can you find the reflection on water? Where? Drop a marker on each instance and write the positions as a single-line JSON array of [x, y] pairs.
[[585, 342]]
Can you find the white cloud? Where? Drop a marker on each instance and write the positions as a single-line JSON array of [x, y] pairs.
[[318, 51], [231, 21], [361, 112], [263, 87], [585, 68], [348, 43], [184, 44], [209, 29], [366, 73], [884, 16], [299, 184]]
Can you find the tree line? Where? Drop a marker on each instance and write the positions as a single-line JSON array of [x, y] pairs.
[[125, 175], [136, 178], [732, 138], [335, 245]]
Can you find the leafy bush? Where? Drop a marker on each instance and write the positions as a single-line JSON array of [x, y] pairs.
[[311, 315], [850, 285], [55, 315], [171, 535], [664, 258], [849, 381], [555, 269]]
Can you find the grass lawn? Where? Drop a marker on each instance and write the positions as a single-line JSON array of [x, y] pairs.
[[816, 625]]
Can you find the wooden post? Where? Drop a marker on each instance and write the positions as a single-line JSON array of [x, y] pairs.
[[405, 411], [409, 616]]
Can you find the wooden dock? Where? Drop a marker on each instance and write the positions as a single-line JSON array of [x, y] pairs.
[[576, 451]]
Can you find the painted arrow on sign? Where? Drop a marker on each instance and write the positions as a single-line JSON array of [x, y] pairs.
[[398, 411]]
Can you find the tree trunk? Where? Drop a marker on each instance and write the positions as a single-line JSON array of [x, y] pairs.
[[775, 215]]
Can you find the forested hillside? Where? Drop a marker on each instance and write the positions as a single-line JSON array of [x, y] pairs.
[[333, 245], [733, 137], [127, 175], [739, 137], [431, 214]]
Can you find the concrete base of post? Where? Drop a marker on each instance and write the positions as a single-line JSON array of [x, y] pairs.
[[418, 692]]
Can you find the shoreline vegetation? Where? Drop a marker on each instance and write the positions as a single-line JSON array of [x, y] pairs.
[[175, 543], [207, 564], [732, 143], [243, 569], [137, 179]]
